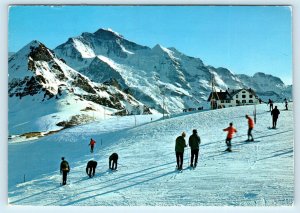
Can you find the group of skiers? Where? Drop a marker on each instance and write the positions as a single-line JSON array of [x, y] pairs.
[[194, 143], [194, 139], [91, 165]]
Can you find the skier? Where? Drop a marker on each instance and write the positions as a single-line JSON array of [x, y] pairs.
[[231, 130], [271, 104], [113, 161], [64, 170], [91, 168], [179, 149], [92, 144], [286, 104], [194, 142], [275, 113], [260, 101], [250, 127]]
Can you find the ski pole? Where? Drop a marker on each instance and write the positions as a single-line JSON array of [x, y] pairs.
[[189, 156]]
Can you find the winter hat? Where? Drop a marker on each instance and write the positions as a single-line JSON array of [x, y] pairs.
[[183, 134], [62, 158], [230, 124], [246, 116], [194, 130]]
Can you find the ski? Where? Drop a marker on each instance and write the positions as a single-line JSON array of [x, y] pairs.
[[254, 141], [271, 127], [235, 150]]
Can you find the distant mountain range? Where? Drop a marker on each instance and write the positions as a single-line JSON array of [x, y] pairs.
[[102, 71]]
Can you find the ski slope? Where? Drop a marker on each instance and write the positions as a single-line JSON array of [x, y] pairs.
[[259, 173]]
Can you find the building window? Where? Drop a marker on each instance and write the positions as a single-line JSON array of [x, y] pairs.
[[243, 96], [222, 101], [228, 101], [244, 92], [237, 96], [237, 101], [250, 96], [243, 101], [250, 101]]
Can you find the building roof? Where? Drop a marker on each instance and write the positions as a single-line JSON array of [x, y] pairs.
[[220, 96], [228, 95], [234, 92]]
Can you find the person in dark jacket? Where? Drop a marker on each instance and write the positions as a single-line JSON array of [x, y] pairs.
[[91, 168], [286, 104], [271, 104], [275, 113], [113, 161], [194, 142], [64, 170], [179, 149]]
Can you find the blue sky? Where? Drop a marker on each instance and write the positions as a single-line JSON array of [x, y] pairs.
[[244, 39]]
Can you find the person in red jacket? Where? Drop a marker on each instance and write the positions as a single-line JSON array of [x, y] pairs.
[[231, 130], [92, 144], [250, 127]]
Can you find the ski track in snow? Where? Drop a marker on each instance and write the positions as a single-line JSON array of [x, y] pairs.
[[259, 173]]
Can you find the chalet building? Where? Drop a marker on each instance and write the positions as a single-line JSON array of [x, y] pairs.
[[230, 98]]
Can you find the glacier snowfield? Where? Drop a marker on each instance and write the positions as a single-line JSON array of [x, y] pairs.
[[259, 173]]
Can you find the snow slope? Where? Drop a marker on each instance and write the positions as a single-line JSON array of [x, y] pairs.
[[259, 173]]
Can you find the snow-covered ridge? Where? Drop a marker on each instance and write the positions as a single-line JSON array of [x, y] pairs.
[[85, 50], [116, 33], [136, 66]]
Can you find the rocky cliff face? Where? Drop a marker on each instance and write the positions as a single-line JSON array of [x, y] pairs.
[[45, 84]]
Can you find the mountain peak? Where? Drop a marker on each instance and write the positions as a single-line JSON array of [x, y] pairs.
[[107, 34], [39, 52], [267, 76], [160, 48], [27, 48], [34, 43], [157, 46]]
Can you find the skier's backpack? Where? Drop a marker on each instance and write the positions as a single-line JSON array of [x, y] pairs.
[[65, 166]]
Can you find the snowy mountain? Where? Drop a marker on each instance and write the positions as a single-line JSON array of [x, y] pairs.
[[46, 95], [259, 173], [267, 85], [99, 74], [161, 78]]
